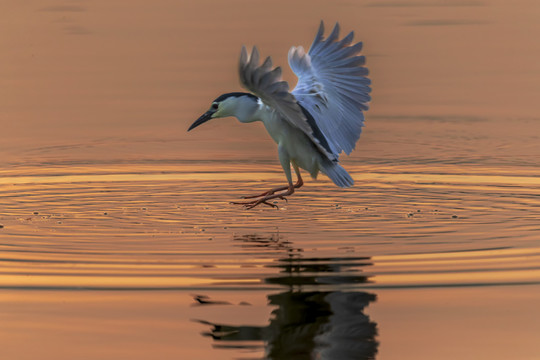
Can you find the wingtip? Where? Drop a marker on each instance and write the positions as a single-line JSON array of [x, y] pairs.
[[249, 60], [277, 72], [296, 51], [320, 32], [349, 37], [267, 64], [243, 55], [291, 52], [335, 33], [254, 56]]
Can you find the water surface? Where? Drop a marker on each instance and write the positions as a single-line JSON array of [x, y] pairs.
[[118, 239]]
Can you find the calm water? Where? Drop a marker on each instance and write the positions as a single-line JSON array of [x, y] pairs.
[[117, 238]]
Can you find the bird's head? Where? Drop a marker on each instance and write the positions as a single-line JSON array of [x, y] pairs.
[[236, 104]]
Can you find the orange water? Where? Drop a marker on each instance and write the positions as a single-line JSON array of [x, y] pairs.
[[118, 240]]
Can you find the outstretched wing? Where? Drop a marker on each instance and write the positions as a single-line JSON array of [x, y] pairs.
[[267, 84], [333, 87]]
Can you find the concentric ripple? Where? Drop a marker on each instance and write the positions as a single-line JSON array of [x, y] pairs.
[[172, 227]]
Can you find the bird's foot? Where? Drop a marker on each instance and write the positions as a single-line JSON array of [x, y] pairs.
[[271, 192], [251, 204], [269, 195]]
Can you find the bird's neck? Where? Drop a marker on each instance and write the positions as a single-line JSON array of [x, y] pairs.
[[246, 109]]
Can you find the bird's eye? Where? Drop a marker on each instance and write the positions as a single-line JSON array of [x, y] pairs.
[[215, 106]]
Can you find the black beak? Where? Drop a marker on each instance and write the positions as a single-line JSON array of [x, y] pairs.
[[204, 118]]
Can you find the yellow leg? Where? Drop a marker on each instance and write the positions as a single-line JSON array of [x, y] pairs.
[[271, 194], [264, 200], [299, 183]]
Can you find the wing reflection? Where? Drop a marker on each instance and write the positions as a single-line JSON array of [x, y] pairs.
[[316, 317]]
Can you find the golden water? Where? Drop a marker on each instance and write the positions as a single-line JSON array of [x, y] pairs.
[[118, 239]]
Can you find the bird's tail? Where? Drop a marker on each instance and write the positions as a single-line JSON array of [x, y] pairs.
[[337, 173]]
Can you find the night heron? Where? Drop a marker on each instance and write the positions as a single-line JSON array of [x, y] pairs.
[[312, 124]]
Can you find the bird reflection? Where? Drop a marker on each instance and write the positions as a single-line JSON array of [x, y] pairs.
[[313, 318]]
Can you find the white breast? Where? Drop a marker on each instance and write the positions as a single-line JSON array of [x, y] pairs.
[[274, 124], [297, 144]]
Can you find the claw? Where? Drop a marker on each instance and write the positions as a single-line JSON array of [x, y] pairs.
[[251, 204]]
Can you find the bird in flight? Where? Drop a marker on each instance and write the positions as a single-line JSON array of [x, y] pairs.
[[312, 124]]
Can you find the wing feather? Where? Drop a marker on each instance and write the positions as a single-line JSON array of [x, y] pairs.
[[333, 86], [266, 83]]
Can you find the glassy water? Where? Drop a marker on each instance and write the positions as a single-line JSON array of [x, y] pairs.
[[118, 239]]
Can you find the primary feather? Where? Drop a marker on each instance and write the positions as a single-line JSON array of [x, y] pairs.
[[333, 86]]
